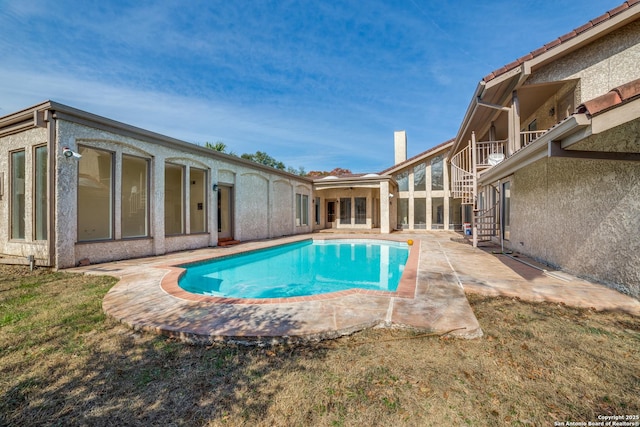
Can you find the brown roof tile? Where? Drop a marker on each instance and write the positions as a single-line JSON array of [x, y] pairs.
[[618, 9], [600, 19], [614, 97], [567, 36], [528, 56], [552, 44], [629, 90], [583, 28]]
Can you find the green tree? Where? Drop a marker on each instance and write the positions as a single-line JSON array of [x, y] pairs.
[[264, 159], [218, 146]]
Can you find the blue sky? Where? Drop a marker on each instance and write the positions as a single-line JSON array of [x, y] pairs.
[[315, 84]]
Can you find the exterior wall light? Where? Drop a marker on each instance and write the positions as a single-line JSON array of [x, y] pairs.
[[215, 187], [68, 152]]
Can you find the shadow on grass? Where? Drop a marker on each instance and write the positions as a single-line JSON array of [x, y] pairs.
[[81, 368]]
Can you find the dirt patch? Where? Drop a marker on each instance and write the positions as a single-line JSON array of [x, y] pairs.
[[62, 362]]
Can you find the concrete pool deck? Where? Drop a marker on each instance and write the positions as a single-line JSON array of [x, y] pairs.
[[446, 269]]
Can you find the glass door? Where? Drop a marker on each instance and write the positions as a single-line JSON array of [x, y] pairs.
[[225, 212]]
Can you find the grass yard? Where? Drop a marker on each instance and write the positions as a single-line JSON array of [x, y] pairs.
[[63, 362]]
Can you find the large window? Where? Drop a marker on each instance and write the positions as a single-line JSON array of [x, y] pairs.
[[419, 183], [173, 199], [403, 213], [345, 210], [40, 193], [134, 196], [361, 210], [437, 173], [198, 201], [403, 181], [17, 194], [420, 213], [317, 210], [437, 213], [95, 194], [302, 209]]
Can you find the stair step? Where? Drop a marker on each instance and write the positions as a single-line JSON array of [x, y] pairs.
[[227, 242]]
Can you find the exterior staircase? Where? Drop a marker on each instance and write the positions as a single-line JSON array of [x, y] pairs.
[[486, 222]]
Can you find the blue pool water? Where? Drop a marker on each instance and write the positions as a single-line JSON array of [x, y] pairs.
[[303, 268]]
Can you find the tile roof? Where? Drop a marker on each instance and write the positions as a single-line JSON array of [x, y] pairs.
[[562, 39], [613, 98]]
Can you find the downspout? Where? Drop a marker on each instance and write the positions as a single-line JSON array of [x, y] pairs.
[[51, 186]]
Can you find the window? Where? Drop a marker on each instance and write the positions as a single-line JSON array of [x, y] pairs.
[[436, 173], [420, 213], [361, 210], [305, 210], [455, 214], [17, 194], [506, 210], [317, 210], [302, 209], [403, 181], [403, 213], [134, 195], [345, 211], [40, 193], [437, 213], [173, 199], [95, 194], [419, 183], [197, 200]]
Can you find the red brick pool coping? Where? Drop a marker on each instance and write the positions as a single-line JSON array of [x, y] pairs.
[[406, 286]]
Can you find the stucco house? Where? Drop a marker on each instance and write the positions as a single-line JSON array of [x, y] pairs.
[[547, 154], [545, 163], [76, 187], [413, 194]]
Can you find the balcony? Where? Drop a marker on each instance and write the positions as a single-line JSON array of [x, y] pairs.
[[528, 137], [487, 154]]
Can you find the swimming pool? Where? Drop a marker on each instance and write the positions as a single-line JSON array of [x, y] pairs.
[[304, 268]]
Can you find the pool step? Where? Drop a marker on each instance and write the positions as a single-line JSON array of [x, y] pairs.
[[227, 241]]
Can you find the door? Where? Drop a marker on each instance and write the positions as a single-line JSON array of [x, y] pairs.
[[331, 213], [225, 212]]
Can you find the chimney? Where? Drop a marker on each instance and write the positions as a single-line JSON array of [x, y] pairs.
[[400, 145]]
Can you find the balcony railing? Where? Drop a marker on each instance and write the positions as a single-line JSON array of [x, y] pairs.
[[528, 137], [489, 153]]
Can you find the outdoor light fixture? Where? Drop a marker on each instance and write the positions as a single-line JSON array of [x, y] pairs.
[[68, 152], [215, 187]]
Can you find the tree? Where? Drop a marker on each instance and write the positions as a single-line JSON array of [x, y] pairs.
[[218, 146], [264, 159], [334, 172]]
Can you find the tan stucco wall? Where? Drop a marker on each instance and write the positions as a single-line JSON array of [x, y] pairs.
[[27, 141], [255, 217], [600, 66], [583, 215], [337, 193]]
